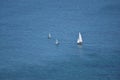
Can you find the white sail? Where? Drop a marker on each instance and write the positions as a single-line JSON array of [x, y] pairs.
[[57, 42], [79, 41], [49, 36]]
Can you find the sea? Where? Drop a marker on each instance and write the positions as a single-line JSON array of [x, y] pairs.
[[26, 53]]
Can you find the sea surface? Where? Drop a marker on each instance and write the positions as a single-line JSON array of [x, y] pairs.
[[26, 53]]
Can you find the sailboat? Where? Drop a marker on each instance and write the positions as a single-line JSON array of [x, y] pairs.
[[57, 42], [49, 36], [79, 41]]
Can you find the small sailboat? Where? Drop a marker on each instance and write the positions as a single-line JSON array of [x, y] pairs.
[[49, 36], [57, 42], [79, 41]]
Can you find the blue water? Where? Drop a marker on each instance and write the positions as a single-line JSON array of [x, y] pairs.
[[27, 54]]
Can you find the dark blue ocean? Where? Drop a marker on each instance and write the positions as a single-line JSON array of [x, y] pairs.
[[26, 53]]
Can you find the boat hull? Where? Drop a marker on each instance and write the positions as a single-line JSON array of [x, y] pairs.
[[49, 37], [80, 43]]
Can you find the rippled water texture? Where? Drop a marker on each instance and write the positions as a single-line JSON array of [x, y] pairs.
[[26, 53]]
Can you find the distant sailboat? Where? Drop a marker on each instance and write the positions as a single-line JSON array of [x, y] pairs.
[[57, 42], [79, 41], [49, 36]]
